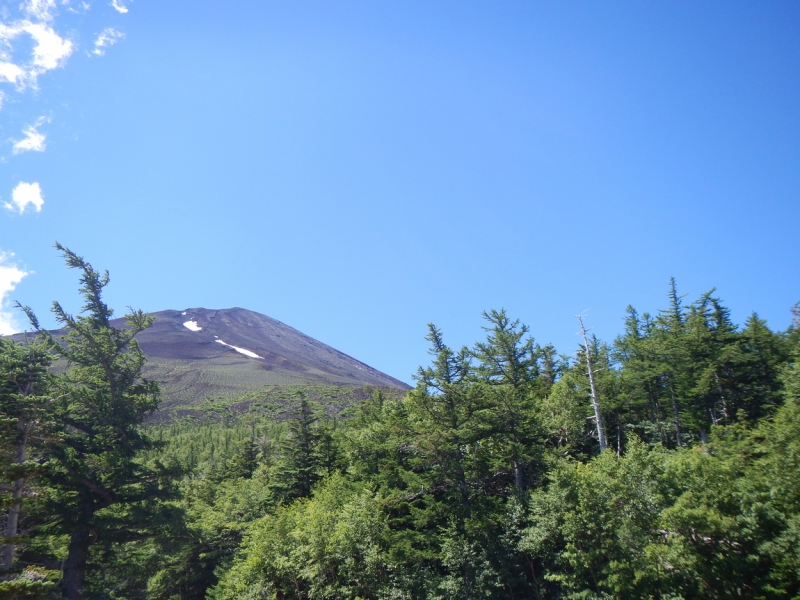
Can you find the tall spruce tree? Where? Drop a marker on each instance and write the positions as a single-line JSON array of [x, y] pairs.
[[658, 357], [444, 423], [299, 467], [508, 364], [98, 490], [25, 426]]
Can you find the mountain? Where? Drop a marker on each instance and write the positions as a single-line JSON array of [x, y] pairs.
[[198, 354]]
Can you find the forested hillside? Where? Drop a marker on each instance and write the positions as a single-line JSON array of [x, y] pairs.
[[661, 464]]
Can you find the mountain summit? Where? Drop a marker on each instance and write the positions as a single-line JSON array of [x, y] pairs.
[[198, 353]]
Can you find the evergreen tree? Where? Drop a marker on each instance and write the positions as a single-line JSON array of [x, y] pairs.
[[444, 424], [564, 414], [299, 467], [244, 461], [793, 333], [642, 376], [26, 425], [689, 369], [98, 490], [509, 366]]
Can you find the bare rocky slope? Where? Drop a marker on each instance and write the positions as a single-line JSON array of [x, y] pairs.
[[199, 354]]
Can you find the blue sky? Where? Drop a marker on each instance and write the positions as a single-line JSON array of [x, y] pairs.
[[359, 169]]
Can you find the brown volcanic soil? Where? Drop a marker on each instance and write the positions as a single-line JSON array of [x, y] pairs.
[[192, 366]]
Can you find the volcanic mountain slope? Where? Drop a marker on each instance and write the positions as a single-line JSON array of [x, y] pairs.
[[197, 354]]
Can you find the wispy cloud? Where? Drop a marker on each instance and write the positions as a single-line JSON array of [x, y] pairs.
[[10, 276], [107, 38], [34, 140], [30, 45], [24, 195], [41, 10], [119, 6], [77, 8], [9, 72], [50, 51]]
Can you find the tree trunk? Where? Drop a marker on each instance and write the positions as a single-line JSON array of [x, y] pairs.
[[601, 436], [12, 520], [722, 397], [676, 415], [463, 488], [75, 565], [518, 476]]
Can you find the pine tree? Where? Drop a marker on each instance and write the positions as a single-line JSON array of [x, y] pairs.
[[509, 364], [736, 372], [98, 490], [244, 461], [299, 467], [444, 422], [657, 370], [25, 426], [793, 333]]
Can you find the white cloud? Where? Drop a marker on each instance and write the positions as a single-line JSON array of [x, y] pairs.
[[30, 45], [23, 195], [10, 276], [108, 37], [11, 73], [50, 51], [83, 6], [41, 10], [34, 140], [119, 6]]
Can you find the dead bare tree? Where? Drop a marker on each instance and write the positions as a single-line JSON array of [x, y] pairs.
[[601, 436]]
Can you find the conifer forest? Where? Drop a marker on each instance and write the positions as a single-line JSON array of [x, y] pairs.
[[660, 464]]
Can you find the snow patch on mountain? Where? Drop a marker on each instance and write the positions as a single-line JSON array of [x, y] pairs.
[[192, 325], [241, 350]]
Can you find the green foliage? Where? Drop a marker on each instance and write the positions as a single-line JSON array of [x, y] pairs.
[[301, 455], [26, 426], [592, 525], [702, 522], [277, 402], [509, 369], [689, 369], [658, 517], [564, 416], [33, 583], [482, 482], [95, 487], [330, 546]]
